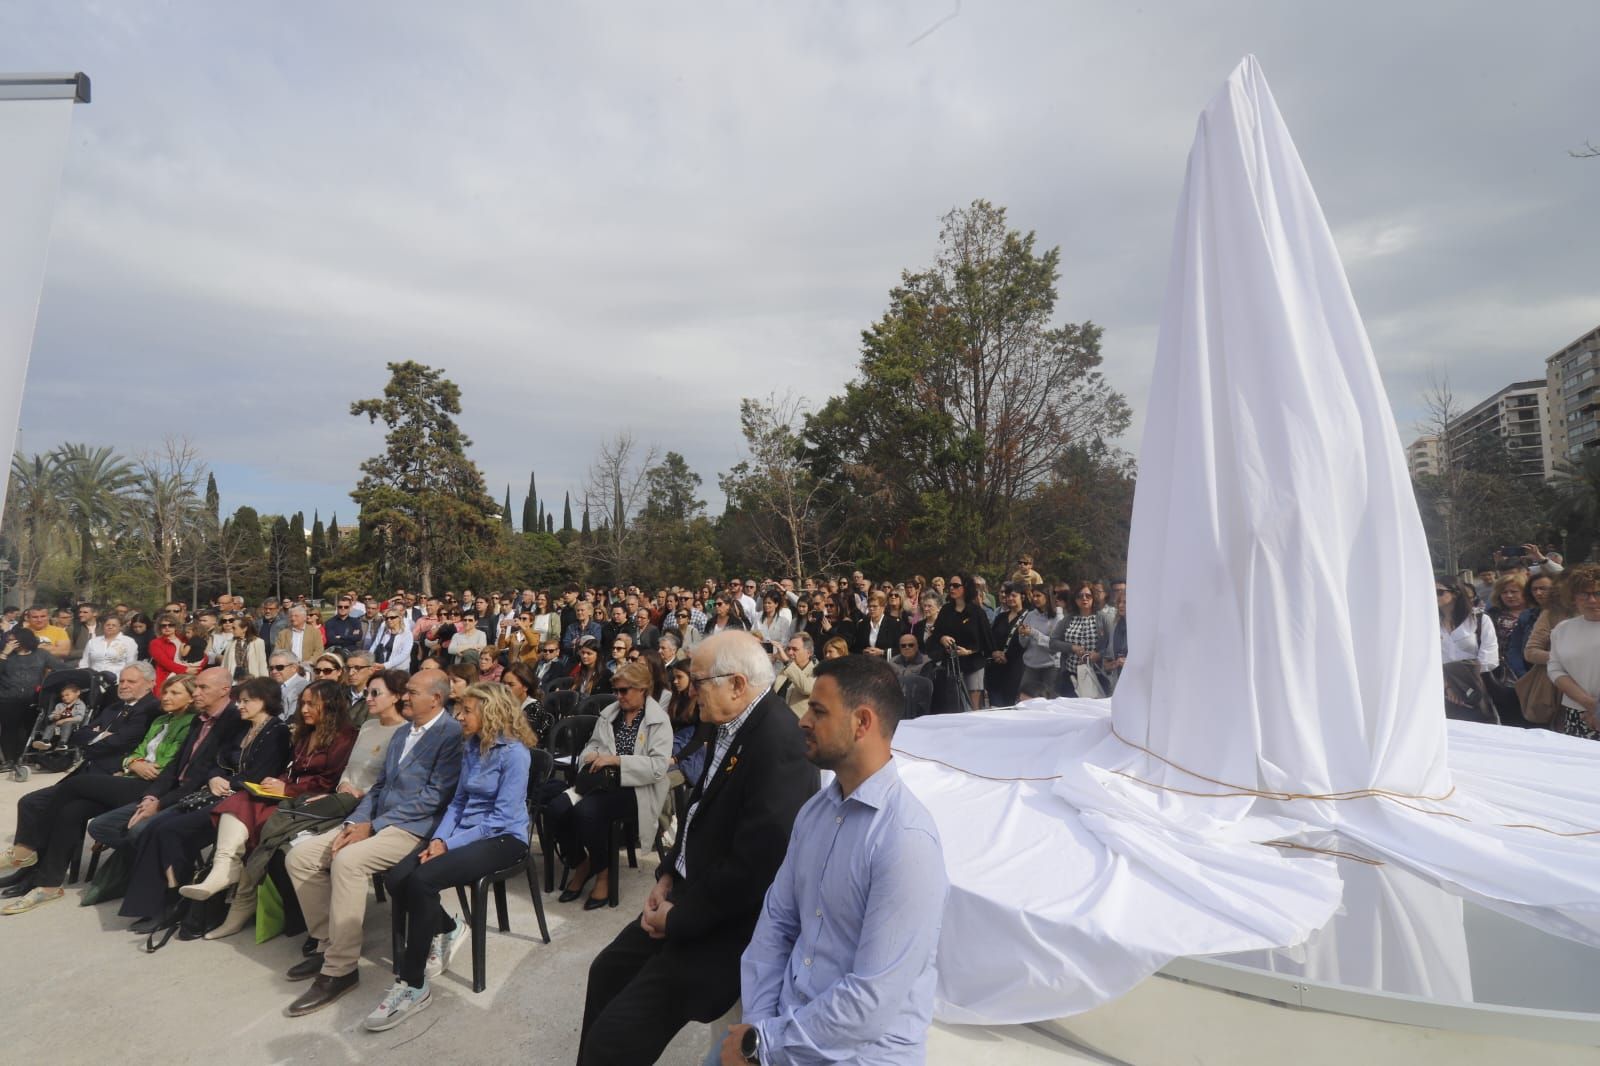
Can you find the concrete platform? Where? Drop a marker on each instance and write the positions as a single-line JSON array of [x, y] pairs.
[[77, 987]]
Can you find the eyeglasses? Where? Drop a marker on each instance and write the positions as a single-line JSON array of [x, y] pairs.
[[392, 617], [278, 666], [619, 647], [700, 682], [325, 671], [376, 693], [620, 689], [957, 585]]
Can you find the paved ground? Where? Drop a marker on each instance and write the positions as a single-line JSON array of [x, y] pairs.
[[77, 987]]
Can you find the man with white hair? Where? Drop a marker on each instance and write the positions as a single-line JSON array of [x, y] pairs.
[[299, 637], [284, 668], [679, 962]]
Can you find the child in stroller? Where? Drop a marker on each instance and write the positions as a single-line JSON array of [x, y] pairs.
[[92, 689], [68, 714]]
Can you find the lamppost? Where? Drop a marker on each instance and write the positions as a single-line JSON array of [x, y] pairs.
[[313, 572]]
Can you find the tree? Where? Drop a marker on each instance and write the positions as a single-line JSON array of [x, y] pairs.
[[505, 511], [532, 515], [33, 516], [967, 397], [166, 504], [1576, 509], [550, 523], [584, 532], [789, 513], [677, 544], [297, 564], [94, 486], [319, 540], [617, 483], [213, 499], [238, 555], [333, 534], [423, 496], [278, 545], [566, 513]]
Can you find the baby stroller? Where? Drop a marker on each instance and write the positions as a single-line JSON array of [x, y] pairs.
[[94, 688]]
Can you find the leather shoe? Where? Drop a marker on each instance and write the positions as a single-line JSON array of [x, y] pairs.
[[146, 925], [594, 903], [309, 948], [323, 991], [308, 967], [16, 877], [19, 887], [567, 894]]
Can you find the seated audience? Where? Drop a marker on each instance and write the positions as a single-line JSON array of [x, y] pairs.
[[331, 871], [484, 829], [50, 834], [794, 680]]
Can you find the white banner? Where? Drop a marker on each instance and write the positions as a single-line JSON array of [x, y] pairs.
[[33, 146]]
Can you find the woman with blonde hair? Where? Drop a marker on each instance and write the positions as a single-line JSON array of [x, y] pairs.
[[484, 829]]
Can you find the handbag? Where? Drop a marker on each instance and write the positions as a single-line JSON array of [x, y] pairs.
[[1088, 683], [1537, 695], [608, 779], [1466, 697], [198, 800]]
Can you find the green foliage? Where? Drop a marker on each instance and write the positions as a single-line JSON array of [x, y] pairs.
[[532, 514], [967, 401], [319, 541], [423, 500], [566, 513]]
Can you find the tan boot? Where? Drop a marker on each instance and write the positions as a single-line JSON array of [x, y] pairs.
[[226, 861], [241, 913]]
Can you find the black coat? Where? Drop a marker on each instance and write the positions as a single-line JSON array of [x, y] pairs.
[[218, 757], [736, 842], [888, 635], [113, 732]]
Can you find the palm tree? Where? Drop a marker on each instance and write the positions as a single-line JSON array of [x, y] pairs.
[[33, 517], [94, 488], [1577, 507]]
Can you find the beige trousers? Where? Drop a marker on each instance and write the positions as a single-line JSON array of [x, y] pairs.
[[332, 889]]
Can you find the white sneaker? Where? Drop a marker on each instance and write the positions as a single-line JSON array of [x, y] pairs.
[[444, 948], [399, 1003]]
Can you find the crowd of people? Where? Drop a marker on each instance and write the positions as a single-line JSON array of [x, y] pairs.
[[393, 738]]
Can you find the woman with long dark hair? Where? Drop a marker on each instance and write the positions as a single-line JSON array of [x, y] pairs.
[[962, 629], [1466, 636]]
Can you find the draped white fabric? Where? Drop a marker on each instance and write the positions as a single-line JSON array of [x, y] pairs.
[[1284, 654], [33, 134]]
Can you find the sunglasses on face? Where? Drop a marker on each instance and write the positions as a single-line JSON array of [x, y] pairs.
[[325, 671]]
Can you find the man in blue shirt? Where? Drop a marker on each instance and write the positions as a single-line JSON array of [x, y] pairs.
[[841, 967]]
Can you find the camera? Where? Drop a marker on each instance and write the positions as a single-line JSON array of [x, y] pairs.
[[766, 646]]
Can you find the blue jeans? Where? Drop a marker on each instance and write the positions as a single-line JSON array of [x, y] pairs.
[[111, 828]]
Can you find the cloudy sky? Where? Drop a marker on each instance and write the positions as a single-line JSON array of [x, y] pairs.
[[617, 216]]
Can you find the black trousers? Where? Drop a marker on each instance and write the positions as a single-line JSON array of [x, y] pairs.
[[78, 799], [173, 841], [633, 1007], [16, 722], [581, 832], [414, 888]]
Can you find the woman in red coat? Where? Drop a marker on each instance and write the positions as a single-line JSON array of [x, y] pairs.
[[323, 739], [166, 652]]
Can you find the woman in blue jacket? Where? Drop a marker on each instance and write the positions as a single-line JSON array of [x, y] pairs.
[[484, 829]]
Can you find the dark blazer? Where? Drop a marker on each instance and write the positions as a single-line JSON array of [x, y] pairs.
[[216, 758], [736, 842], [267, 756], [888, 635], [114, 732]]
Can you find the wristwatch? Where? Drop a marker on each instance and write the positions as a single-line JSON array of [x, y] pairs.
[[750, 1046]]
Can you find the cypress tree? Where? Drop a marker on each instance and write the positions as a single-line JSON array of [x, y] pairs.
[[566, 514], [505, 512]]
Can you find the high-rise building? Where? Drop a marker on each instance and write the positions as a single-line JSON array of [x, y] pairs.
[[1422, 455], [1572, 376], [1518, 415]]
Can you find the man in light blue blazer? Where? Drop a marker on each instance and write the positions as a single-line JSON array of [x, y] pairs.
[[331, 872]]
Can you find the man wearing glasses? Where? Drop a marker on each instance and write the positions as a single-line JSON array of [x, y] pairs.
[[550, 665], [358, 670], [679, 961], [284, 668], [343, 630]]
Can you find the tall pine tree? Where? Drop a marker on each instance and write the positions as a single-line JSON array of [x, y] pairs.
[[505, 512], [549, 523], [531, 523], [566, 514], [213, 499], [333, 533], [319, 540]]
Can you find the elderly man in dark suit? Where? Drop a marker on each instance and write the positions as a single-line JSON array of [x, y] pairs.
[[679, 962]]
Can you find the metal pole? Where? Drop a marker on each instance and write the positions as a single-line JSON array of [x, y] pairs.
[[73, 86]]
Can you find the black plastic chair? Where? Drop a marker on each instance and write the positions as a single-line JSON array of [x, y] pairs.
[[475, 914], [567, 739], [562, 703], [617, 828], [594, 704], [560, 684]]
